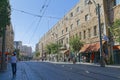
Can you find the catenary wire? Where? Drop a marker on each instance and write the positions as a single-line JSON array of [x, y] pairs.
[[35, 15], [39, 21]]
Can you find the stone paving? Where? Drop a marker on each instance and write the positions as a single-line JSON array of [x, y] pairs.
[[7, 75]]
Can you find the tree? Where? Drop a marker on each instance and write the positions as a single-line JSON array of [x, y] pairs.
[[37, 54], [75, 44], [48, 49], [5, 12], [53, 48], [115, 29], [17, 53]]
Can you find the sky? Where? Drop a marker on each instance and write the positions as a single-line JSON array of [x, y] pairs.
[[28, 26]]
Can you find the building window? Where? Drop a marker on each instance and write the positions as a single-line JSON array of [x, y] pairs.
[[67, 40], [78, 9], [95, 30], [84, 34], [76, 35], [71, 14], [80, 35], [102, 28], [89, 33], [71, 26], [87, 17], [62, 31], [78, 22], [86, 2], [66, 29], [66, 18]]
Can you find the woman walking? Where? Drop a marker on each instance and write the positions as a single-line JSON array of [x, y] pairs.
[[14, 63]]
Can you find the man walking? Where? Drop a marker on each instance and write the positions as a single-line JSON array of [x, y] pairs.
[[14, 63]]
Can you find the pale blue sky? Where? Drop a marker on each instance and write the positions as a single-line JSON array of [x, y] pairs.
[[29, 29]]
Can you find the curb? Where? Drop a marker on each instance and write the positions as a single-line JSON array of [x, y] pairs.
[[91, 64]]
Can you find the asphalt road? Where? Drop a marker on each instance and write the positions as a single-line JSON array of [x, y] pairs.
[[52, 71]]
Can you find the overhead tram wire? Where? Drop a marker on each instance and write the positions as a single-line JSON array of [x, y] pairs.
[[28, 28], [39, 21], [35, 15]]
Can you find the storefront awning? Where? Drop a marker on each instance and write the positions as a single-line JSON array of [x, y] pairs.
[[91, 47], [66, 52], [5, 53], [116, 47], [85, 48]]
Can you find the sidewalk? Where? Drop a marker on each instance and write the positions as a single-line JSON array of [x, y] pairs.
[[92, 64], [7, 75]]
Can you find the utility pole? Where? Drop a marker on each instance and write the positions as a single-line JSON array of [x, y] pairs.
[[97, 5], [102, 64]]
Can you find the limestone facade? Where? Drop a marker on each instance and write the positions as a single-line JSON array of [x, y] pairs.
[[81, 20], [9, 44]]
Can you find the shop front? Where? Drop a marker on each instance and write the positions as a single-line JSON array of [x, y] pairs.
[[91, 52], [116, 53]]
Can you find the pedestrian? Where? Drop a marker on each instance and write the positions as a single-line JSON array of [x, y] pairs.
[[14, 63]]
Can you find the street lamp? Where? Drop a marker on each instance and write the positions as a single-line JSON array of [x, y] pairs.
[[97, 5]]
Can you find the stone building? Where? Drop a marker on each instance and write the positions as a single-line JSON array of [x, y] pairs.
[[24, 50], [9, 38], [82, 21]]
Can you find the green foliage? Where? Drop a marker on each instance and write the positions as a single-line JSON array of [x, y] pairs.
[[75, 44], [48, 49], [5, 12], [37, 54], [53, 48], [115, 29], [17, 52]]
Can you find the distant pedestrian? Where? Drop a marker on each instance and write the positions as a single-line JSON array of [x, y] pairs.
[[14, 63]]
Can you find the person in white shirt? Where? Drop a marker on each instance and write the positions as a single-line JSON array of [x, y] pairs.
[[14, 64]]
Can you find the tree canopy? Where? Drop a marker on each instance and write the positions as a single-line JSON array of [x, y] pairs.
[[115, 29], [53, 48], [75, 44], [5, 12]]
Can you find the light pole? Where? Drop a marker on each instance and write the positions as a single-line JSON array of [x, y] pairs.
[[97, 5]]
